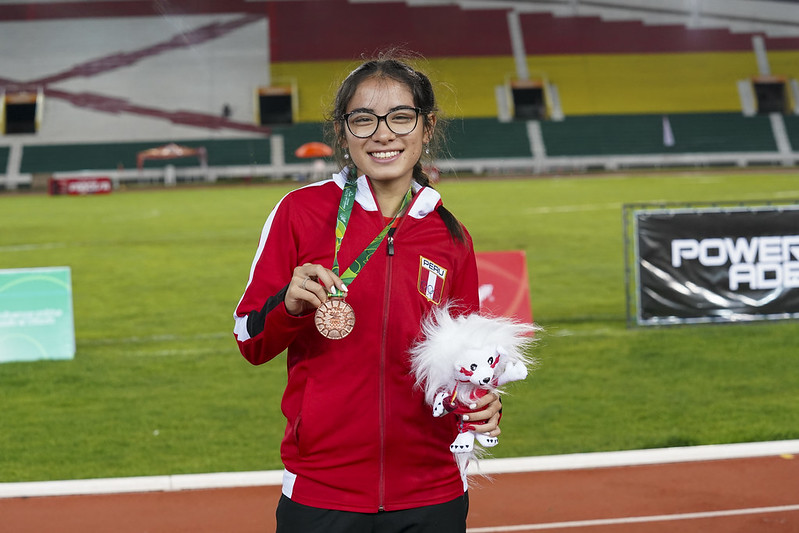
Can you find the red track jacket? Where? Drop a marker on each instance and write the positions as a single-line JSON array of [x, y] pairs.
[[359, 436]]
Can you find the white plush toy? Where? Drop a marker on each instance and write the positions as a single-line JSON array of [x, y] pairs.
[[461, 359]]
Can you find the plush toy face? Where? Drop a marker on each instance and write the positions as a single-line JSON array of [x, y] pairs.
[[478, 367]]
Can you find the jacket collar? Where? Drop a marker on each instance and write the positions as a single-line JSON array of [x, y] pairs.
[[425, 201]]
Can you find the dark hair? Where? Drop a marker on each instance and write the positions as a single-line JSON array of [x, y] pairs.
[[389, 65]]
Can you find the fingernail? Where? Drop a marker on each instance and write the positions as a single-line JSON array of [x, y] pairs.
[[472, 405], [344, 288], [465, 417]]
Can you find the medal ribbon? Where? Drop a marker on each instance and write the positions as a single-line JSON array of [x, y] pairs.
[[342, 220]]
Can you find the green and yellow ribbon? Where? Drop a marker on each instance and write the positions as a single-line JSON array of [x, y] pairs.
[[342, 220]]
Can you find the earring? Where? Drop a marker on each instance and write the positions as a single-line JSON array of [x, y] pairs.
[[346, 155], [427, 149]]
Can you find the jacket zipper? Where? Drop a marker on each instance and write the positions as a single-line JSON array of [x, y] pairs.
[[390, 239], [386, 296]]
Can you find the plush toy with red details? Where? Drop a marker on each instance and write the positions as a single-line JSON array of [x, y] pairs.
[[462, 358]]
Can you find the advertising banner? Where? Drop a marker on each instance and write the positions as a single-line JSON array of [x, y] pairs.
[[717, 264], [80, 186], [36, 320]]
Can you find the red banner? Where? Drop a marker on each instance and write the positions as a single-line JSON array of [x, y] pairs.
[[504, 285], [79, 186]]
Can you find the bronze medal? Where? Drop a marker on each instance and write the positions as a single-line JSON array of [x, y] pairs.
[[335, 318]]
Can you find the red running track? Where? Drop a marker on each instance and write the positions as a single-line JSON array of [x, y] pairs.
[[737, 495]]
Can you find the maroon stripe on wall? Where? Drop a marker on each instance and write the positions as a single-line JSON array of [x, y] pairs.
[[782, 43], [130, 8], [546, 34], [336, 29], [314, 30], [323, 30]]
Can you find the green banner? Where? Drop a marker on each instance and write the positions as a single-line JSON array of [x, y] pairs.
[[36, 320]]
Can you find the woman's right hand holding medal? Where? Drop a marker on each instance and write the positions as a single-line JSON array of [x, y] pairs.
[[308, 288]]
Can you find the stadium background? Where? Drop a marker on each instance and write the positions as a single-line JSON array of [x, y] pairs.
[[119, 77]]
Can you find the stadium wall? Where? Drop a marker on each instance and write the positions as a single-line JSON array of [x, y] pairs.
[[120, 77], [4, 151], [138, 78], [577, 143], [588, 84], [792, 130]]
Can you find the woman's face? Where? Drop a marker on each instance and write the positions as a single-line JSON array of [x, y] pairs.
[[385, 156]]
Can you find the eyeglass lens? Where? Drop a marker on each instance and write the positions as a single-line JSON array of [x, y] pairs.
[[401, 121]]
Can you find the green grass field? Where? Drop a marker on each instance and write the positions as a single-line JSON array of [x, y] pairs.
[[158, 387]]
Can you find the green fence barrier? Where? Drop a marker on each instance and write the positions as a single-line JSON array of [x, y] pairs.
[[471, 138], [644, 134]]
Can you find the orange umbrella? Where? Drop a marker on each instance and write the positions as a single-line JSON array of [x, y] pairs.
[[313, 149]]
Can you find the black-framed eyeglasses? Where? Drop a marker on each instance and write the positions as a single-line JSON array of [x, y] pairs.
[[401, 121]]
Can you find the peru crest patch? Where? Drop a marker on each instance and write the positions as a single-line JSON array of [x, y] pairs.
[[431, 280]]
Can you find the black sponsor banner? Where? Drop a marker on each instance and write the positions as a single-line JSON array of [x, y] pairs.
[[717, 264]]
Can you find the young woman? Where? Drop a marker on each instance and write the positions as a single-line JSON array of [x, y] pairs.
[[344, 273]]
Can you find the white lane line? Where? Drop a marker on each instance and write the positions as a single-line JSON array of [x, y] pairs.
[[547, 210], [575, 461], [569, 209], [635, 519], [167, 337], [30, 247]]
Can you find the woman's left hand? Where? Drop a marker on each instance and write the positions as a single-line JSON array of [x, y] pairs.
[[486, 415]]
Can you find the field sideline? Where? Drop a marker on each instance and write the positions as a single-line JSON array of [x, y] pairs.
[[158, 388]]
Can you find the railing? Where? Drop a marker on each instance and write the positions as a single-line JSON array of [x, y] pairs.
[[524, 148], [537, 166]]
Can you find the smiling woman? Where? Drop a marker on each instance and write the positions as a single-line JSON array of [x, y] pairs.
[[406, 89], [381, 152], [389, 467]]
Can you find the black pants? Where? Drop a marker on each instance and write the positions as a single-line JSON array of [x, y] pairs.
[[449, 517]]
